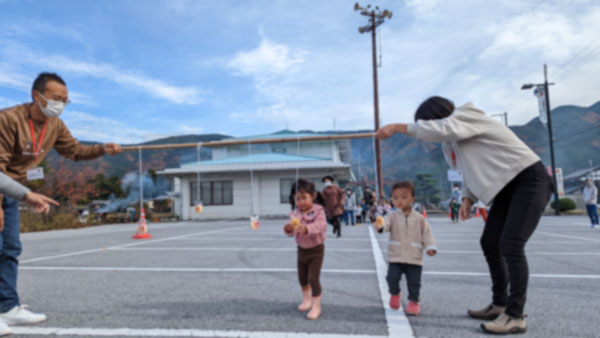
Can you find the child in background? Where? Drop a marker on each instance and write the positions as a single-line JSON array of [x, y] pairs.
[[410, 235], [454, 209], [308, 224]]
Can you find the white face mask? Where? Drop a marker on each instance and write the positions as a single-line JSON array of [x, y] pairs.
[[53, 108], [327, 183]]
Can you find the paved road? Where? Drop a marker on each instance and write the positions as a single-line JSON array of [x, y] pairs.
[[221, 279]]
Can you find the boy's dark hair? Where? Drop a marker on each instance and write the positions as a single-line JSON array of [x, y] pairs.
[[405, 185], [456, 185], [327, 178], [307, 187], [434, 108], [40, 82]]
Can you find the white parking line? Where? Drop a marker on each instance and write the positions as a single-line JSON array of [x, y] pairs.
[[231, 249], [341, 240], [529, 253], [487, 274], [140, 269], [476, 241], [77, 253], [100, 230], [568, 236], [398, 324], [287, 270], [127, 332]]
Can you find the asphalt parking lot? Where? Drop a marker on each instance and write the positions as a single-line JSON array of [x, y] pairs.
[[222, 279]]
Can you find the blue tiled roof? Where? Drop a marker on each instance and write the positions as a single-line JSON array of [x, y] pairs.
[[258, 158]]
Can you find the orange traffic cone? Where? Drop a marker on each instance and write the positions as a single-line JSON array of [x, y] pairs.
[[424, 212], [477, 212], [142, 232]]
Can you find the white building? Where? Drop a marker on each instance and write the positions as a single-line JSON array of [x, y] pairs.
[[226, 189]]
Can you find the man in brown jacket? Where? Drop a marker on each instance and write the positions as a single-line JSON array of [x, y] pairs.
[[334, 204], [27, 134]]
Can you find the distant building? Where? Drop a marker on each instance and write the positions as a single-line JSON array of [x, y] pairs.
[[226, 190]]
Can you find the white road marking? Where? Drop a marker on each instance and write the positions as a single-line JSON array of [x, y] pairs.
[[476, 241], [487, 274], [230, 249], [397, 322], [128, 332], [140, 242], [282, 238], [568, 236], [284, 270], [101, 230], [141, 269], [529, 253]]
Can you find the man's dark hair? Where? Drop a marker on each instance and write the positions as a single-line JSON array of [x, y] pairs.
[[434, 108], [39, 85], [405, 185]]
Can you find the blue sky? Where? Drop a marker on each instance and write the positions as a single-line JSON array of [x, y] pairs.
[[139, 70]]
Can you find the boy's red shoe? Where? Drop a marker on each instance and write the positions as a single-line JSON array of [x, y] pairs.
[[412, 309], [395, 302]]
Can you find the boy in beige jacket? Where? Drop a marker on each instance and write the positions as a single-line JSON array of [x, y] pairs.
[[410, 235]]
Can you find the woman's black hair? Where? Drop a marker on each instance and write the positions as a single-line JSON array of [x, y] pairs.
[[307, 187], [434, 108]]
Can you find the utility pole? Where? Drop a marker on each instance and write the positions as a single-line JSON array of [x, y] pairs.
[[504, 117], [376, 18], [545, 85]]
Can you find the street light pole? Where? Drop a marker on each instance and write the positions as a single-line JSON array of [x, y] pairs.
[[376, 109], [550, 136], [376, 18], [556, 198]]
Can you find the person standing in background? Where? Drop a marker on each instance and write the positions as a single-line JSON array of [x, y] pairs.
[[349, 206], [590, 196], [334, 204]]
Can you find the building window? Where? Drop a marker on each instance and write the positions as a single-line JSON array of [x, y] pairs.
[[285, 187], [213, 193], [279, 150]]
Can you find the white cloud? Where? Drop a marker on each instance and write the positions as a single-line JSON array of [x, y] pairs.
[[186, 129], [87, 127], [550, 35], [268, 59], [423, 8], [127, 78], [6, 102], [12, 79], [18, 54]]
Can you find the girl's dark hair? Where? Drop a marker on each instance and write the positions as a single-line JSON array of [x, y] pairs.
[[306, 187], [434, 108]]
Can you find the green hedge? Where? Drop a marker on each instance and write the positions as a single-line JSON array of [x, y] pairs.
[[565, 204]]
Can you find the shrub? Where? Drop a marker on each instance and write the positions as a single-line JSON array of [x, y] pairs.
[[565, 204]]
